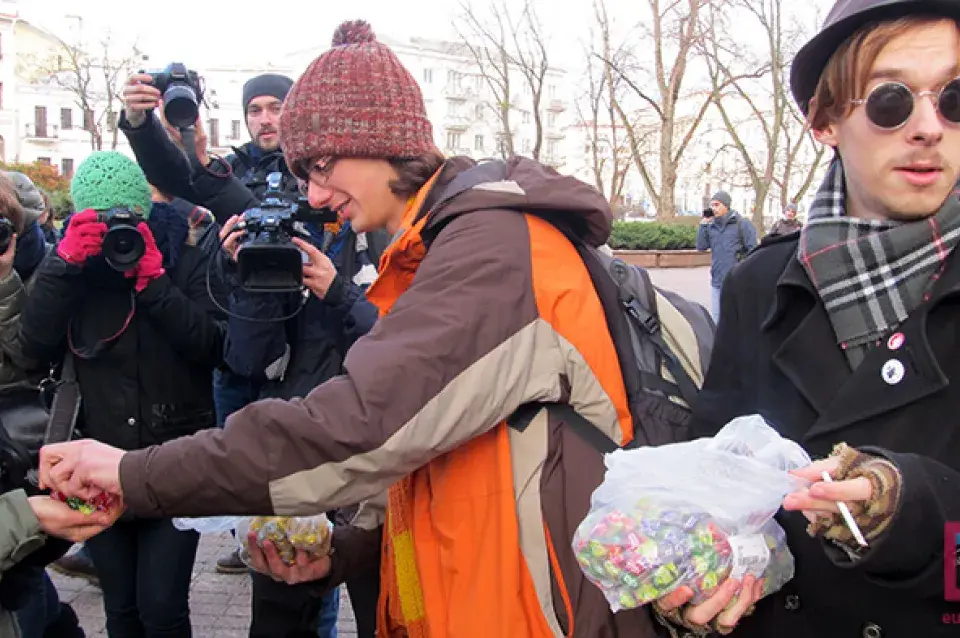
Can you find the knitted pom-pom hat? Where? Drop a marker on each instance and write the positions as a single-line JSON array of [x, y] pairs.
[[108, 179], [355, 100]]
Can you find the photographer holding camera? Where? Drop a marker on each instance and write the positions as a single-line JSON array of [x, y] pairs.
[[295, 342], [156, 138], [125, 297]]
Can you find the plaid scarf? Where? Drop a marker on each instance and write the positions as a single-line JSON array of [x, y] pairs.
[[871, 274]]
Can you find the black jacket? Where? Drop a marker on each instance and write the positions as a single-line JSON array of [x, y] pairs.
[[153, 382], [776, 355], [310, 347], [226, 187]]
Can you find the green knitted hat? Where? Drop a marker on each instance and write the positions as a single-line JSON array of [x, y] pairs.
[[108, 179]]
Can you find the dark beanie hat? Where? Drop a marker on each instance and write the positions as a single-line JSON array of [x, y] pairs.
[[355, 100], [723, 197], [271, 84]]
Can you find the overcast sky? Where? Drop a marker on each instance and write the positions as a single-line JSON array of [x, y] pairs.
[[243, 32]]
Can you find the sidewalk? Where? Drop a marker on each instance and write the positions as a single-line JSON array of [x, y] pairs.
[[220, 604]]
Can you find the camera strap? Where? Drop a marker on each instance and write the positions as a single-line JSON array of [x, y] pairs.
[[66, 404], [102, 345], [63, 411]]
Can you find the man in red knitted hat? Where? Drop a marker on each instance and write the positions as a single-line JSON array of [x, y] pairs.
[[486, 306]]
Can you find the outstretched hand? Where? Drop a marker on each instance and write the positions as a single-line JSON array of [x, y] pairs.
[[82, 469]]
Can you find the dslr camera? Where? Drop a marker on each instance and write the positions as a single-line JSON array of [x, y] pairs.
[[6, 234], [267, 261], [123, 245], [182, 94]]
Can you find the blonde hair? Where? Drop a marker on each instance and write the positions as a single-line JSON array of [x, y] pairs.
[[844, 79]]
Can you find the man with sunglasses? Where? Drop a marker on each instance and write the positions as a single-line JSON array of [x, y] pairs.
[[844, 336]]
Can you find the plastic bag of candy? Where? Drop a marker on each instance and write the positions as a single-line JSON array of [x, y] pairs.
[[691, 514], [312, 534]]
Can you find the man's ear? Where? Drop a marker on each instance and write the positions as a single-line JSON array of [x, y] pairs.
[[826, 135]]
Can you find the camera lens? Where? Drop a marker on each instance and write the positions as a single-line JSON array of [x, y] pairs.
[[180, 105], [123, 246], [6, 234]]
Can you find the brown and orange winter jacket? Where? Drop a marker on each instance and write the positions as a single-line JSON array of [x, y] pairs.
[[485, 307]]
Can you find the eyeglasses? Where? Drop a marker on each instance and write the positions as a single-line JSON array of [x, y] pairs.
[[318, 172], [889, 105]]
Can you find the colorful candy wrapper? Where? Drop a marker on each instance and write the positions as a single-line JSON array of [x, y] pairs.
[[312, 534], [101, 503], [638, 556], [692, 514]]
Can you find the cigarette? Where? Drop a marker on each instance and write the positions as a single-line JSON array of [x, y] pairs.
[[847, 516]]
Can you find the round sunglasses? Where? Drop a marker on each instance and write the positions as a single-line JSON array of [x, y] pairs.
[[889, 105]]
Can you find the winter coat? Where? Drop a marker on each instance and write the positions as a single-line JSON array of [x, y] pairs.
[[19, 536], [289, 358], [728, 238], [145, 359], [473, 334], [776, 355]]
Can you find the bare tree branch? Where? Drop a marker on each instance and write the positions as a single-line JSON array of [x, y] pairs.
[[95, 82]]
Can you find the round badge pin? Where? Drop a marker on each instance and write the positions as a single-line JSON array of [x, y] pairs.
[[896, 340], [892, 372]]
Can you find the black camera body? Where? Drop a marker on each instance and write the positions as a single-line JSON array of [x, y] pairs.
[[6, 234], [267, 261], [123, 245], [182, 93]]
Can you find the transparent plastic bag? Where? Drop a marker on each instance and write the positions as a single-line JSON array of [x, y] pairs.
[[207, 524], [691, 514], [312, 534]]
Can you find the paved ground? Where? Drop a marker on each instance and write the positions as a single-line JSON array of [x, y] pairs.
[[220, 605]]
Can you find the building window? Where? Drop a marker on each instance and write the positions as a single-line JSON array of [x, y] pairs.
[[40, 121], [551, 118], [478, 111], [552, 91], [66, 119], [66, 167], [214, 132], [526, 117], [428, 76], [526, 146], [44, 160], [479, 80], [88, 119], [235, 129], [453, 140], [453, 109], [478, 142]]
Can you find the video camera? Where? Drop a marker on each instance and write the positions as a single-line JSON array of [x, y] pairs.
[[123, 245], [182, 94], [267, 261]]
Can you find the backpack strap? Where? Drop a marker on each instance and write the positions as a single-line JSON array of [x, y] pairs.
[[644, 313], [523, 416]]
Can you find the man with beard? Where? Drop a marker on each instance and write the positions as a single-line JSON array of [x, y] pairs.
[[262, 100]]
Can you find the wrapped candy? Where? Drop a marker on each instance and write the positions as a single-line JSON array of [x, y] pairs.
[[312, 534], [638, 556], [100, 503], [691, 514]]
